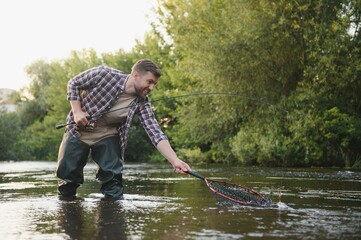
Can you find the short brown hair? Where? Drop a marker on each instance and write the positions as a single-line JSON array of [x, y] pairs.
[[145, 65]]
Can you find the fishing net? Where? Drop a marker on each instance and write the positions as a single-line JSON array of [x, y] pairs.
[[228, 193]]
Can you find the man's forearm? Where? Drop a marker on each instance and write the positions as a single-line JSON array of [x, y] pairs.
[[167, 151], [75, 106]]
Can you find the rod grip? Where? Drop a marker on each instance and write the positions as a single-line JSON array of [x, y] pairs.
[[60, 126], [194, 174], [63, 125]]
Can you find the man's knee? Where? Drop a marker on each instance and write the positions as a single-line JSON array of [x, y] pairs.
[[72, 157]]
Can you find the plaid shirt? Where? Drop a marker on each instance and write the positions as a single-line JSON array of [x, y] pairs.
[[98, 89]]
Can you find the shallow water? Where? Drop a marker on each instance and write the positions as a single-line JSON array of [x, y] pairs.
[[158, 204]]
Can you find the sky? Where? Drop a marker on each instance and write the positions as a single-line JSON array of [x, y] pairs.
[[50, 29]]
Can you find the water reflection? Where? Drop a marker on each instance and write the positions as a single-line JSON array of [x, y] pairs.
[[105, 220]]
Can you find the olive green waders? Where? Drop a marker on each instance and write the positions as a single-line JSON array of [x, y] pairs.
[[72, 158]]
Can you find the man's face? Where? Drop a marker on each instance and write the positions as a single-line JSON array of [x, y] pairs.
[[144, 84]]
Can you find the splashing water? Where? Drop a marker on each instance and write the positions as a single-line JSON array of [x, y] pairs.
[[283, 206]]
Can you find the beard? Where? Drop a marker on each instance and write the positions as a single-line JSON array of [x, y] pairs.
[[141, 92]]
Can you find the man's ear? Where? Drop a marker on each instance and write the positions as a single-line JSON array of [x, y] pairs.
[[135, 74]]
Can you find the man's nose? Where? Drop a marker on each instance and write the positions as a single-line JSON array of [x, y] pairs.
[[151, 87]]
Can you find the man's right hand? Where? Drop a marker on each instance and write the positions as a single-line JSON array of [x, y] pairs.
[[80, 117]]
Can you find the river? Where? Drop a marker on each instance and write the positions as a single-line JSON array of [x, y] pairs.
[[159, 204]]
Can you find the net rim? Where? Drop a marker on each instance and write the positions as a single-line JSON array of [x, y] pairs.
[[257, 203]]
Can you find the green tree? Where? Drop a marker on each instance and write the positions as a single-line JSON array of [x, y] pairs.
[[35, 107], [321, 127], [327, 103], [10, 129], [38, 74], [226, 46], [302, 55]]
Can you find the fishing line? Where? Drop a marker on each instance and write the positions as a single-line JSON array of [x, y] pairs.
[[224, 94], [183, 96]]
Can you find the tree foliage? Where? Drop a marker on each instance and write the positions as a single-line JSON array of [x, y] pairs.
[[300, 55], [9, 134]]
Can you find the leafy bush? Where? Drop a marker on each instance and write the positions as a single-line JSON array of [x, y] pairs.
[[10, 132]]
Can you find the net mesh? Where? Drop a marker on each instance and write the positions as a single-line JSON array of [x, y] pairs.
[[229, 193]]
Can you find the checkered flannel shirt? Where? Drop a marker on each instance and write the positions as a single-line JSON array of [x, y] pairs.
[[98, 89]]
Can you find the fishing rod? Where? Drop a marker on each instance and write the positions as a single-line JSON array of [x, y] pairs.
[[181, 96]]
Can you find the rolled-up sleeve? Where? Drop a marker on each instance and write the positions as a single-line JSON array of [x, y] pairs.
[[150, 124]]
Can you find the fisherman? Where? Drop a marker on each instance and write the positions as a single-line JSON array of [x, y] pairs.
[[97, 92]]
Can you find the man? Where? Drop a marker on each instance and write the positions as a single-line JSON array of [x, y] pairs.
[[103, 102]]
